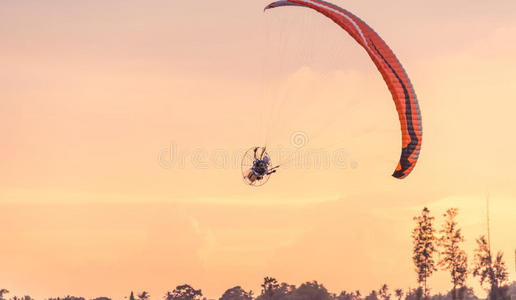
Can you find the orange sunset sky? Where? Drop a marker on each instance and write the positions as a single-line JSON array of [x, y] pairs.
[[123, 123]]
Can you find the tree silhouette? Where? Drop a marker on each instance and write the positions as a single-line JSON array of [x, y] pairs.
[[343, 296], [493, 272], [269, 288], [465, 293], [237, 293], [183, 292], [144, 296], [310, 291], [358, 296], [384, 292], [131, 297], [349, 296], [414, 294], [372, 296], [399, 293], [424, 248], [451, 257]]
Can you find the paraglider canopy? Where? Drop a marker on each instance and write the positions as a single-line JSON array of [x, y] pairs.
[[392, 72]]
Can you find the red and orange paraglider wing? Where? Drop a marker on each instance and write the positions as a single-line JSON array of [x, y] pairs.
[[392, 72]]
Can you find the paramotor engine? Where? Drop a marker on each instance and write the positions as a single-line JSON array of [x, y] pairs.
[[256, 166]]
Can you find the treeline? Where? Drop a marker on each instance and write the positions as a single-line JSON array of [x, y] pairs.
[[433, 249], [271, 289], [447, 246]]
